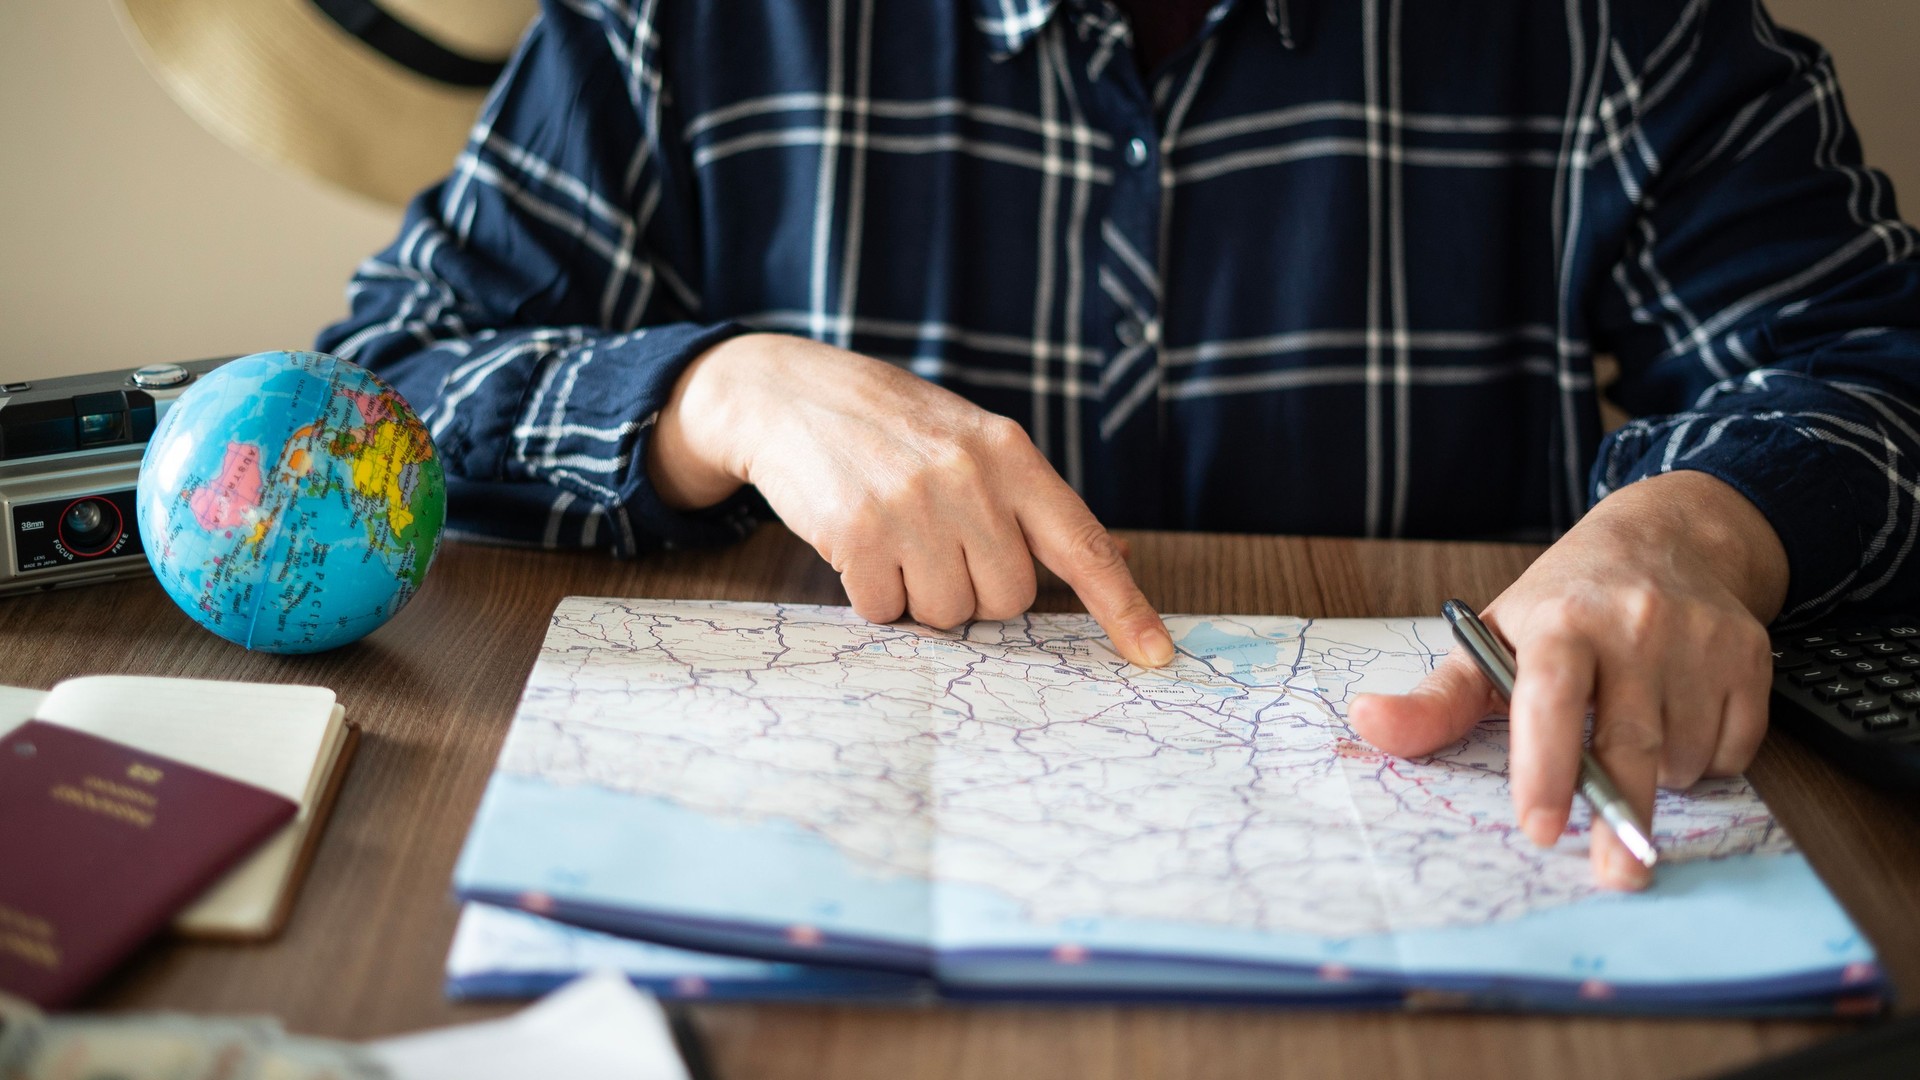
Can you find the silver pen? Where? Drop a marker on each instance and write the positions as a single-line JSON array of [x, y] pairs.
[[1595, 785]]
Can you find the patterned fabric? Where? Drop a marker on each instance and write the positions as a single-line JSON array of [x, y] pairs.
[[1341, 268]]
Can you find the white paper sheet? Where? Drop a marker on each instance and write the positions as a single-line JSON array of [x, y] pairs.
[[597, 1027]]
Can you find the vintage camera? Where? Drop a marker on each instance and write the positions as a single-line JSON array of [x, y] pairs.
[[69, 459]]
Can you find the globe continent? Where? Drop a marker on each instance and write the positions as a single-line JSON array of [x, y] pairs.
[[291, 502]]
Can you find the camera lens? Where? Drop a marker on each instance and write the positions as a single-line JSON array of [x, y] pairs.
[[84, 518], [90, 526]]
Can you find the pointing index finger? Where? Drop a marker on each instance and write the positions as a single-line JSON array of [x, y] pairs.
[[1066, 538]]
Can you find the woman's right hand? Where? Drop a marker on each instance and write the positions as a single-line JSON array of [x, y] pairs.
[[924, 503]]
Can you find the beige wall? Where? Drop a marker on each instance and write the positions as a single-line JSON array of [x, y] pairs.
[[131, 235], [1875, 45]]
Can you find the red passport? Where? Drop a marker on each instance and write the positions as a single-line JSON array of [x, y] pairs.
[[100, 845]]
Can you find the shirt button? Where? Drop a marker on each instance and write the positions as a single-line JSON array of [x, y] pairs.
[[1130, 332], [1137, 152]]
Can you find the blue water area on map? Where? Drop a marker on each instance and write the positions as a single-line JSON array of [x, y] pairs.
[[514, 954], [595, 846], [1236, 654], [1724, 921]]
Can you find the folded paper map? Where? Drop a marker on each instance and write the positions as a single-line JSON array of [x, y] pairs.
[[502, 953], [1013, 810]]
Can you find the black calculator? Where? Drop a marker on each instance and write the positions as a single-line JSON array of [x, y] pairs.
[[1854, 693]]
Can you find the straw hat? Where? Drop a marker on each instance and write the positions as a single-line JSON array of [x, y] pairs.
[[373, 95]]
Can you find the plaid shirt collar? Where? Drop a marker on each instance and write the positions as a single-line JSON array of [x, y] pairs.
[[1010, 24]]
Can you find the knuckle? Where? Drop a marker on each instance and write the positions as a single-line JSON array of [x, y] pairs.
[[854, 540], [889, 499], [1559, 616], [1090, 545], [944, 614], [1001, 433], [1009, 600], [1739, 743], [1732, 759], [876, 611], [1725, 765], [864, 522], [999, 611], [1641, 611], [1682, 768], [873, 604], [1630, 735], [956, 464], [1713, 628]]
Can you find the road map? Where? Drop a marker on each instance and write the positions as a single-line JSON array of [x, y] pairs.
[[1012, 791]]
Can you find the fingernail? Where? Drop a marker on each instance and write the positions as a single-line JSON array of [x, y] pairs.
[[1624, 871], [1538, 825], [1155, 646]]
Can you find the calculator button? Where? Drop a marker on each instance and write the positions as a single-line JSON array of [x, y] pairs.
[[1814, 675], [1909, 662], [1838, 690], [1908, 699], [1866, 705], [1890, 681], [1884, 722], [1863, 667], [1885, 648], [1903, 631], [1856, 637], [1788, 659], [1816, 641], [1837, 652]]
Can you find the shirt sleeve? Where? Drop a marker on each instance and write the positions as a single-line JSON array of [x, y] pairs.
[[1765, 307], [535, 307]]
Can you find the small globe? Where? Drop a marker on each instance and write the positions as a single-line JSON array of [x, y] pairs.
[[290, 502]]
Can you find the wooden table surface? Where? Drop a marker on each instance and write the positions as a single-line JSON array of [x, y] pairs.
[[435, 689]]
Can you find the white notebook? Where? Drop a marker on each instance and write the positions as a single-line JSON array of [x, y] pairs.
[[294, 741]]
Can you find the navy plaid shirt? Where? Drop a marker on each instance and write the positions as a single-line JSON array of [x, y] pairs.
[[1334, 267]]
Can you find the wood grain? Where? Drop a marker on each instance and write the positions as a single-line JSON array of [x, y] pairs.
[[435, 689]]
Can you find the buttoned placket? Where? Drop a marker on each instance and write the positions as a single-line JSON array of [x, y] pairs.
[[1122, 462], [1124, 437]]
